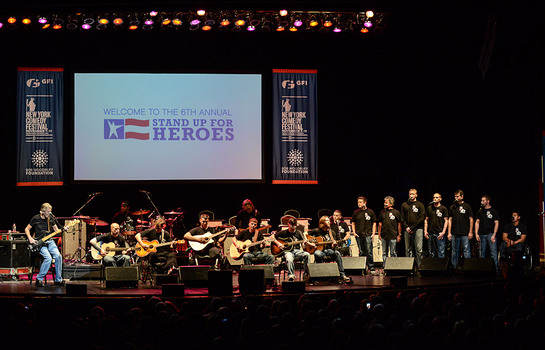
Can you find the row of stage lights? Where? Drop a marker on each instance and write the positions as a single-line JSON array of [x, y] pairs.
[[202, 20]]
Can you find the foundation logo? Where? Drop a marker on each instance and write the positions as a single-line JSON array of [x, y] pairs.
[[295, 157], [122, 129], [39, 158]]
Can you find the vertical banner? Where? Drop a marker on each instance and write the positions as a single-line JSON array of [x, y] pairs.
[[295, 127], [542, 203], [39, 126]]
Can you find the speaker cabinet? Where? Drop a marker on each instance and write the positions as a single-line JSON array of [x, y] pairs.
[[320, 271], [251, 281], [267, 269], [161, 279], [296, 287], [74, 237], [354, 265], [479, 267], [433, 266], [194, 275], [399, 266], [14, 253], [220, 283], [121, 277]]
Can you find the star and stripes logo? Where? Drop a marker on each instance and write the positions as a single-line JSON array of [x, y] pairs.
[[122, 129]]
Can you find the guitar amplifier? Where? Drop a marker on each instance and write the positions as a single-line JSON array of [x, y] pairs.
[[14, 256]]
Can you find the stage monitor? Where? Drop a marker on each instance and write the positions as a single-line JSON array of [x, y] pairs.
[[165, 126]]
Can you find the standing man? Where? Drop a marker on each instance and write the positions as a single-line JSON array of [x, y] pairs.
[[253, 235], [364, 226], [487, 224], [389, 228], [212, 248], [340, 232], [324, 231], [164, 254], [120, 258], [292, 234], [247, 212], [40, 226], [413, 214], [460, 227], [435, 227]]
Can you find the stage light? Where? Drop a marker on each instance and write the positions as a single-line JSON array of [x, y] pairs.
[[12, 20], [148, 22], [201, 13], [298, 22], [283, 13], [103, 20], [133, 27], [280, 29], [195, 22], [240, 22], [250, 28], [206, 28], [42, 20], [72, 24], [88, 20], [225, 22], [337, 30], [26, 21], [313, 22], [368, 24], [1, 25], [86, 26], [369, 14], [293, 29], [166, 21], [177, 22], [210, 21], [46, 25], [364, 30], [57, 26], [118, 21], [194, 26], [153, 13]]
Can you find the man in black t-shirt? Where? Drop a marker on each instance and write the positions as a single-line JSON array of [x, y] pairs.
[[413, 214], [121, 257], [253, 235], [247, 212], [487, 224], [514, 236], [212, 247], [364, 226], [341, 233], [40, 226], [287, 236], [125, 219], [164, 258], [435, 227], [389, 228], [460, 228]]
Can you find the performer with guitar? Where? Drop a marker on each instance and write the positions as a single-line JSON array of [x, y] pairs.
[[205, 241], [164, 253], [290, 242], [321, 233], [250, 236], [41, 225], [111, 248]]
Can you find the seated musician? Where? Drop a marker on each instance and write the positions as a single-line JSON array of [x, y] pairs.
[[112, 240], [323, 232], [164, 255], [208, 247], [254, 235], [283, 241], [341, 233]]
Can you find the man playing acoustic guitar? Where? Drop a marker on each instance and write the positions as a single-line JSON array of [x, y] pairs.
[[290, 243], [253, 235], [112, 248], [208, 241], [322, 234], [164, 254]]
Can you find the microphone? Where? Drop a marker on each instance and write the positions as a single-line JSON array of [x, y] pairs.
[[142, 191], [95, 194]]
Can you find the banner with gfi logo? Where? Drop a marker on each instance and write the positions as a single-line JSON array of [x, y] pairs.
[[295, 132], [39, 126]]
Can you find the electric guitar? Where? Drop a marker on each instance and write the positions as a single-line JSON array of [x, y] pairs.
[[320, 242], [110, 249], [198, 246], [288, 244], [152, 247], [247, 244], [36, 246]]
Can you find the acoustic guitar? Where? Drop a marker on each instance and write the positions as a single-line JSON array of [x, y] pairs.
[[320, 243], [152, 247], [198, 246], [247, 244], [110, 249], [35, 247], [288, 244]]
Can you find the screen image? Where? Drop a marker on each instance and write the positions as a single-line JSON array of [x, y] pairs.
[[149, 126]]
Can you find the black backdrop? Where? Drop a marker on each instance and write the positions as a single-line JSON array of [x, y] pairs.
[[405, 108]]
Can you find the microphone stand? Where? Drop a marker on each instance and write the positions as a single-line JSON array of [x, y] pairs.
[[79, 249], [153, 204]]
